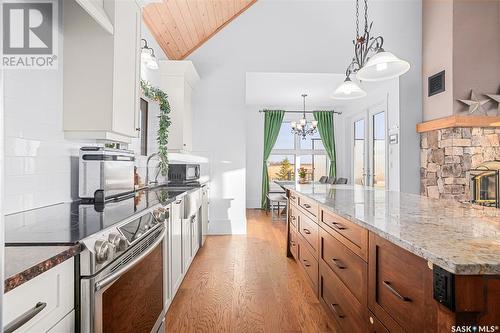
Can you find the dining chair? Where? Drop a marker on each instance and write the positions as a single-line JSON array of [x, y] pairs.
[[323, 180], [341, 181]]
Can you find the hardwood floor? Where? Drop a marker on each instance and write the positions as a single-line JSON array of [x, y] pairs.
[[245, 283]]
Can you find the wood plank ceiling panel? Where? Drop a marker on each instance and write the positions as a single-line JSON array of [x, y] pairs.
[[181, 26]]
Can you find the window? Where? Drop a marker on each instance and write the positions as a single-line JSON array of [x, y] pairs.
[[291, 152], [144, 127]]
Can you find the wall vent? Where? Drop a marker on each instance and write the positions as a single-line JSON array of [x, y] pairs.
[[436, 83]]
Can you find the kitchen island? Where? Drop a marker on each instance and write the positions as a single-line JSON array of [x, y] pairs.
[[395, 262]]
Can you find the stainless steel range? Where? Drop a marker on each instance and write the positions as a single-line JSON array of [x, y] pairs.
[[121, 270]]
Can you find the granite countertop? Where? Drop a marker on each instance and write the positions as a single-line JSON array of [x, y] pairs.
[[459, 237], [39, 239], [22, 263]]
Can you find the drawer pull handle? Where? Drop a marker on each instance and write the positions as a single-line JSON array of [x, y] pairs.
[[293, 197], [294, 218], [337, 312], [307, 231], [24, 318], [307, 205], [338, 263], [388, 285], [339, 226], [306, 263]]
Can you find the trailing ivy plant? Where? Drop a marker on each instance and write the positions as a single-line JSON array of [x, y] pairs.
[[161, 97]]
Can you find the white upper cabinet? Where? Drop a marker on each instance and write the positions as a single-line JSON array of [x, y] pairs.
[[178, 79], [101, 71]]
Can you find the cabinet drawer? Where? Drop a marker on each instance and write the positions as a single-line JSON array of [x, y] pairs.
[[345, 308], [308, 205], [309, 230], [375, 326], [66, 325], [52, 291], [350, 268], [294, 197], [350, 234], [293, 216], [310, 265], [399, 285], [294, 244]]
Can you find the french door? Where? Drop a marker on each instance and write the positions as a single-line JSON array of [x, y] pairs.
[[369, 148]]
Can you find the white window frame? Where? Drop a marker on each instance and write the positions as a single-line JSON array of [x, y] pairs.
[[296, 152]]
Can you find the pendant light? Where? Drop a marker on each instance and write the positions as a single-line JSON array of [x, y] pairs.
[[348, 90], [148, 56], [370, 62]]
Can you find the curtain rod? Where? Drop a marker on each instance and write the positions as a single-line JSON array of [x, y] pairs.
[[335, 112]]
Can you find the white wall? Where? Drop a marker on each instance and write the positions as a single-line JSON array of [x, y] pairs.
[[287, 36]]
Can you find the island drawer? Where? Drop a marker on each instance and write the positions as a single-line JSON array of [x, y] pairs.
[[398, 285], [376, 326], [309, 230], [309, 205], [293, 216], [294, 244], [347, 311], [350, 234], [350, 268], [310, 265]]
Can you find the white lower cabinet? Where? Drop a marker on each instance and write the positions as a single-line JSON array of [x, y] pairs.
[[66, 325], [183, 244], [44, 301], [186, 244], [175, 254]]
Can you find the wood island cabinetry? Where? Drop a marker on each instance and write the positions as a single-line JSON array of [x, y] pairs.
[[369, 284]]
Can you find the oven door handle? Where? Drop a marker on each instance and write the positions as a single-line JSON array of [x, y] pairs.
[[113, 277]]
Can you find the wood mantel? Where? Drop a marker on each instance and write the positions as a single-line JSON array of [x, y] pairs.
[[458, 121]]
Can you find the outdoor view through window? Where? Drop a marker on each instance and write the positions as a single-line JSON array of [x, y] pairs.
[[292, 152]]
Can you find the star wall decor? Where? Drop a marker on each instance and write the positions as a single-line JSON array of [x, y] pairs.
[[496, 98], [474, 103]]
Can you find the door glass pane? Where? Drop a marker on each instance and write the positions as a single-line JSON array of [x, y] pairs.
[[306, 161], [359, 152], [285, 137], [379, 149], [280, 167], [320, 163]]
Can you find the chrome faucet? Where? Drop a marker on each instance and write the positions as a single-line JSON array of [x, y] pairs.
[[147, 171]]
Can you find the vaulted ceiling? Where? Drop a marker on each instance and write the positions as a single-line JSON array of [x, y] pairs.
[[181, 26]]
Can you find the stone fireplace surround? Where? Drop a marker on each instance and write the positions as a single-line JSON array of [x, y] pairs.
[[448, 155]]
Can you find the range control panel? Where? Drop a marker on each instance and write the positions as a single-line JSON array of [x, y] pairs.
[[444, 287]]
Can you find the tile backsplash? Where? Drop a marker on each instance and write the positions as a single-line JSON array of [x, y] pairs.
[[40, 165]]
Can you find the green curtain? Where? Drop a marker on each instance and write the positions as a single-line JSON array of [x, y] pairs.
[[272, 125], [326, 132]]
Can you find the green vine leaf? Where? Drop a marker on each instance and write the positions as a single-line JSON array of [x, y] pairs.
[[161, 97]]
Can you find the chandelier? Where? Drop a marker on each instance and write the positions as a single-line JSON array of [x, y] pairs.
[[370, 62], [303, 128]]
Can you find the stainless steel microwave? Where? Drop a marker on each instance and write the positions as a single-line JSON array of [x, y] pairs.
[[183, 173]]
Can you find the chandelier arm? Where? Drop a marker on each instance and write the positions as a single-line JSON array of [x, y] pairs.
[[376, 44]]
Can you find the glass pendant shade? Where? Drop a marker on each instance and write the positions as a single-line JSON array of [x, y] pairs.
[[152, 63], [314, 123], [303, 121], [348, 90], [145, 55], [382, 66]]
